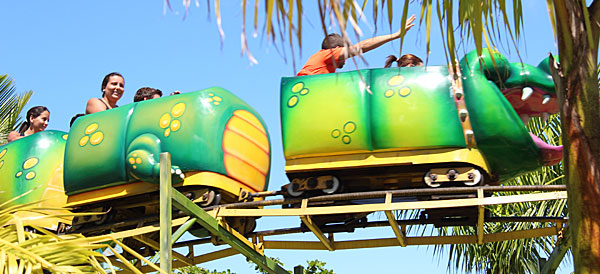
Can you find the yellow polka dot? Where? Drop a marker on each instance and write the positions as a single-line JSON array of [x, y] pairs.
[[388, 93], [30, 175], [131, 161], [304, 91], [405, 91], [91, 128], [135, 155], [211, 94], [138, 161], [167, 132], [349, 127], [65, 136], [165, 120], [29, 163], [96, 138], [178, 110], [336, 133], [2, 153], [134, 167], [216, 103], [209, 100], [297, 87], [346, 139], [396, 80], [19, 174], [293, 101], [175, 125], [84, 140], [218, 99]]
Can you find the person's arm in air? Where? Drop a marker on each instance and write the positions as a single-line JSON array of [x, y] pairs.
[[375, 42]]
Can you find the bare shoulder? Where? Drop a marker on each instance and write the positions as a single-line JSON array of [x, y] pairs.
[[13, 135], [94, 105]]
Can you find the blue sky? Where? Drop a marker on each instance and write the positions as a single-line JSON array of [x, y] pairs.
[[62, 49]]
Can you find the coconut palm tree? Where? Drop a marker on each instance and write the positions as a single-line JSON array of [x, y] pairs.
[[11, 105], [576, 26]]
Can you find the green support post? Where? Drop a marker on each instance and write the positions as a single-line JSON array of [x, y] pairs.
[[165, 212], [559, 252], [182, 229], [168, 194]]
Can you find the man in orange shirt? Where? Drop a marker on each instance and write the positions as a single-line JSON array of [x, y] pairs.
[[334, 53]]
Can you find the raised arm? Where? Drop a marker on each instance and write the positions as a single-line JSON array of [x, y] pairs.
[[375, 42]]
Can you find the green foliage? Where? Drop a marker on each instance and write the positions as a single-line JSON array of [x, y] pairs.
[[317, 267], [23, 251], [200, 270], [259, 269], [11, 105], [312, 267]]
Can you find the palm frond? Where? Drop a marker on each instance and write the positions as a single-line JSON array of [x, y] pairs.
[[11, 105], [24, 251], [467, 19]]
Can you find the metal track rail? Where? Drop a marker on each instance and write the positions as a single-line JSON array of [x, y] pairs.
[[394, 193]]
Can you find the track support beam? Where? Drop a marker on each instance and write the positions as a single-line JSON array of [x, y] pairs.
[[560, 250], [480, 218], [315, 229], [217, 227], [400, 233], [166, 211]]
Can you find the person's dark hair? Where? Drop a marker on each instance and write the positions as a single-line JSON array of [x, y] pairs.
[[389, 60], [106, 78], [75, 118], [145, 92], [332, 40], [405, 60], [35, 112]]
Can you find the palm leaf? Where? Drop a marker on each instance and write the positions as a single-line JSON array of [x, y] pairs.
[[32, 252], [23, 251], [11, 105]]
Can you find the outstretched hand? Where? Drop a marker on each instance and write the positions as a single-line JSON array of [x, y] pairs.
[[410, 22]]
